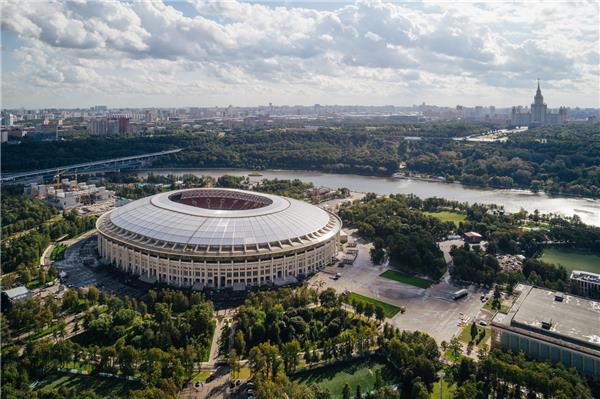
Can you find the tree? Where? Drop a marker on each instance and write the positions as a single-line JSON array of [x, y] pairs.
[[70, 299], [473, 331], [346, 392], [419, 390], [378, 380], [328, 298], [239, 343], [379, 313], [455, 347], [93, 294], [289, 353], [234, 363]]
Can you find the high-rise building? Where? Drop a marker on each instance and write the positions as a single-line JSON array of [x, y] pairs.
[[538, 114], [123, 124]]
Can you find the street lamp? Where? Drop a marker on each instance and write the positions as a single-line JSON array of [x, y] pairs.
[[441, 375]]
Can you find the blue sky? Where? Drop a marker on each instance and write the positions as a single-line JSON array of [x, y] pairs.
[[205, 53]]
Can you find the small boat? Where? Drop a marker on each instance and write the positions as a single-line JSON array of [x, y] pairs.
[[254, 174]]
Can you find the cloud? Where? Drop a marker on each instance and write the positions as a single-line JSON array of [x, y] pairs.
[[366, 52]]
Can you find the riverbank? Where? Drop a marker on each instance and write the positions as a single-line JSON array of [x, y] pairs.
[[511, 200]]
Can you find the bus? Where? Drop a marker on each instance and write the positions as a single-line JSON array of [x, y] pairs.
[[460, 294]]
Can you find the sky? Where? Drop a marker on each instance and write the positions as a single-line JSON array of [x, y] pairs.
[[369, 52]]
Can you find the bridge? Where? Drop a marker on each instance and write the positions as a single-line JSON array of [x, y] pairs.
[[88, 167]]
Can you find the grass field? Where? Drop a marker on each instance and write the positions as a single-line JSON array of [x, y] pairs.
[[465, 334], [447, 390], [446, 216], [104, 387], [360, 372], [201, 376], [572, 259], [389, 309], [406, 279]]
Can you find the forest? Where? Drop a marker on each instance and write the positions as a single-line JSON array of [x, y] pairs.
[[154, 342], [555, 159]]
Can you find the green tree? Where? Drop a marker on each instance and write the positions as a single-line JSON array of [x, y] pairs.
[[455, 347], [346, 392], [289, 353], [239, 343], [473, 331]]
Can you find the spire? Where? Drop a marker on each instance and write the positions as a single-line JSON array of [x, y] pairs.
[[539, 91]]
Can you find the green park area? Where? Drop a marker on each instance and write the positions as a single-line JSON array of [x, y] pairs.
[[447, 216], [480, 338], [388, 309], [58, 252], [359, 372], [572, 259], [447, 390], [406, 279], [103, 387]]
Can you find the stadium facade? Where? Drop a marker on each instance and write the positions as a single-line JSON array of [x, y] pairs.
[[214, 237]]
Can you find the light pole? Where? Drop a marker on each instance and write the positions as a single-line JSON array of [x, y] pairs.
[[441, 375]]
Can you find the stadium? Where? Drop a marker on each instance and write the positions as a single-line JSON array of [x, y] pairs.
[[219, 238]]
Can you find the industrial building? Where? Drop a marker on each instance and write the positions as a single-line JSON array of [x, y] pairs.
[[220, 238], [585, 284], [69, 194], [551, 326]]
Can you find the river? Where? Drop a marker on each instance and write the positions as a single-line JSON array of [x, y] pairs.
[[512, 200]]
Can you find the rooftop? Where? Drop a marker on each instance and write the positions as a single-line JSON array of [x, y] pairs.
[[17, 292], [585, 276], [557, 316]]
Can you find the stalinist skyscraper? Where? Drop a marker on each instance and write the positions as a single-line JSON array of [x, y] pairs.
[[538, 108], [538, 114]]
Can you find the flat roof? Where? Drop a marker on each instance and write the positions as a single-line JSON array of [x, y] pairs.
[[585, 276], [573, 320], [16, 292]]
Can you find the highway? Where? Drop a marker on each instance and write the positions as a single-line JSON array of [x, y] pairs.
[[87, 166]]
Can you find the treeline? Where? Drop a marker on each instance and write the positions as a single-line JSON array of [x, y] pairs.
[[555, 159], [349, 149], [398, 227], [506, 375], [21, 213], [155, 342]]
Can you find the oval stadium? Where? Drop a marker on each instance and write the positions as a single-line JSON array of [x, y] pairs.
[[219, 238]]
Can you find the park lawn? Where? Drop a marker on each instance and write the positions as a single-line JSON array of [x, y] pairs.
[[201, 376], [358, 372], [447, 390], [572, 259], [406, 279], [447, 216], [104, 387], [42, 333], [388, 309], [465, 334]]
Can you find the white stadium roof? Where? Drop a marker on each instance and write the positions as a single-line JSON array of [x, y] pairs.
[[235, 218]]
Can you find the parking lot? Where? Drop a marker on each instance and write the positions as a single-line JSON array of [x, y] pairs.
[[431, 310], [83, 269]]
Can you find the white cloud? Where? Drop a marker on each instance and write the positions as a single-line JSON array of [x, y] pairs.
[[370, 52]]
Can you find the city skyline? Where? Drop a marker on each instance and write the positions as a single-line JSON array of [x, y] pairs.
[[203, 54]]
